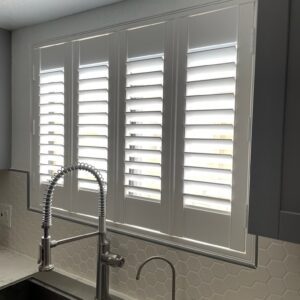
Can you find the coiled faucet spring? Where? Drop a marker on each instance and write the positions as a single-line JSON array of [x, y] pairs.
[[48, 196]]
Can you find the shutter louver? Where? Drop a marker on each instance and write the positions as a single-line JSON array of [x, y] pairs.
[[51, 125], [143, 140], [209, 127], [93, 122]]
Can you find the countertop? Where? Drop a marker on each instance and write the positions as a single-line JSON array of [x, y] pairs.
[[15, 266]]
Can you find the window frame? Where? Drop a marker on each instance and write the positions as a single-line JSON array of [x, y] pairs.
[[118, 69]]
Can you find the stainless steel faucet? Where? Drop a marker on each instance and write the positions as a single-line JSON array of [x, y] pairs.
[[169, 263], [105, 258]]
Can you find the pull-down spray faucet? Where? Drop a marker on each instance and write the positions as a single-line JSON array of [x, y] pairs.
[[105, 257]]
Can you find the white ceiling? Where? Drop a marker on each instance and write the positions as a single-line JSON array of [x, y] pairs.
[[19, 13]]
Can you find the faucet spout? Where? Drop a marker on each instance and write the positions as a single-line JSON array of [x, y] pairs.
[[105, 257], [169, 263]]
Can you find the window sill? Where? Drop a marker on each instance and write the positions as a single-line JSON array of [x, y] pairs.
[[247, 258]]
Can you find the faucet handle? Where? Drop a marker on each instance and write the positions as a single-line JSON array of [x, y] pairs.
[[44, 260], [40, 254], [113, 260]]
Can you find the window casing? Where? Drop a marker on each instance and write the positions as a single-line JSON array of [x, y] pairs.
[[163, 110]]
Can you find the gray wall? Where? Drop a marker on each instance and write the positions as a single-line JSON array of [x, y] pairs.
[[5, 99]]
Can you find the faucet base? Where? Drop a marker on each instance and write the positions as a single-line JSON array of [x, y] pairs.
[[107, 298], [46, 268]]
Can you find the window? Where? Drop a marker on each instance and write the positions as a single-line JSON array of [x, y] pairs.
[[163, 110]]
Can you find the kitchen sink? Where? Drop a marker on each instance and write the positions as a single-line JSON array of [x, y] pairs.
[[31, 289], [49, 286]]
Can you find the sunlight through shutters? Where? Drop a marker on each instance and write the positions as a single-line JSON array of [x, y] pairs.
[[143, 141], [209, 127]]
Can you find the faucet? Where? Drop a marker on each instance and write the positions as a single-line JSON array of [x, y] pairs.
[[105, 258], [169, 263]]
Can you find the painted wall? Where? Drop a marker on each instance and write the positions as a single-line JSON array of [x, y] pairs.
[[5, 103], [198, 277]]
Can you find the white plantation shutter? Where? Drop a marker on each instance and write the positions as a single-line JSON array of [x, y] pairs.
[[143, 141], [209, 127], [91, 115], [163, 111], [213, 126], [51, 122], [93, 121], [144, 102], [52, 137]]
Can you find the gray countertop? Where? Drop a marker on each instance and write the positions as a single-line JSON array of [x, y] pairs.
[[14, 266]]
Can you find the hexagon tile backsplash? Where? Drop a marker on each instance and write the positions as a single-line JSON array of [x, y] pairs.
[[198, 277]]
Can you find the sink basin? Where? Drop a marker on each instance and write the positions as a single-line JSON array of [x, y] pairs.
[[30, 289], [49, 286]]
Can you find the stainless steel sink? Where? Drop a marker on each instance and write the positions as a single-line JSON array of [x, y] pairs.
[[49, 286], [31, 290]]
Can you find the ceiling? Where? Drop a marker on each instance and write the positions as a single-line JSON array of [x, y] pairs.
[[19, 13]]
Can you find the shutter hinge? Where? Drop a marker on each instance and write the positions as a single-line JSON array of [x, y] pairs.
[[250, 129], [33, 73], [253, 40], [247, 216], [33, 127]]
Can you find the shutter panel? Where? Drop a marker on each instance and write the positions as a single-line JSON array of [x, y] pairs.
[[143, 130], [215, 71], [51, 111], [145, 203], [205, 138], [93, 121], [51, 122], [91, 114], [209, 127], [51, 147]]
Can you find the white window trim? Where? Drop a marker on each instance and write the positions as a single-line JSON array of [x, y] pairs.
[[246, 258]]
